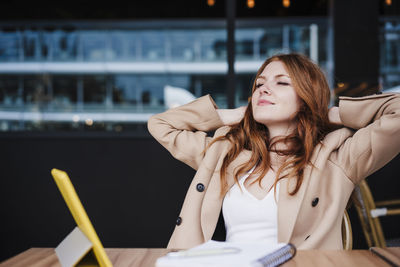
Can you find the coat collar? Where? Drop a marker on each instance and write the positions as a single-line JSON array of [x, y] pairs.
[[212, 202], [289, 206]]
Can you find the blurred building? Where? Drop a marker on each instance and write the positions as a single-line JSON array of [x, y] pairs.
[[111, 74], [389, 38]]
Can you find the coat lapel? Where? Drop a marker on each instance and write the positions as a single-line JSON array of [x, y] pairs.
[[212, 202], [289, 206]]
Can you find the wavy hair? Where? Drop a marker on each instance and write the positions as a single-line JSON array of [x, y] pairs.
[[312, 121]]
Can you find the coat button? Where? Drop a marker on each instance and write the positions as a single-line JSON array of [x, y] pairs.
[[179, 221], [200, 187], [314, 202]]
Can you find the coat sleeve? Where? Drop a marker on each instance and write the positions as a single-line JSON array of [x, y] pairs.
[[183, 130], [376, 119]]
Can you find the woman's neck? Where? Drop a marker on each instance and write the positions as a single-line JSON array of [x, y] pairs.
[[276, 160], [281, 129]]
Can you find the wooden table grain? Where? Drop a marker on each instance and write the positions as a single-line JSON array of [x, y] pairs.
[[343, 258], [146, 257]]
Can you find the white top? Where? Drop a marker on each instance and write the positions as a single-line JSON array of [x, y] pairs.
[[248, 218]]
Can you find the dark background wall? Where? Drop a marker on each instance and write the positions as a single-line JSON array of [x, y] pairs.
[[131, 187], [356, 46]]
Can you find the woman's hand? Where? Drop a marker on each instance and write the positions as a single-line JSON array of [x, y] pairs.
[[334, 117], [231, 116]]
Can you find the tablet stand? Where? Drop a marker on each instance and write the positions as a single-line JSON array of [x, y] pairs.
[[76, 250]]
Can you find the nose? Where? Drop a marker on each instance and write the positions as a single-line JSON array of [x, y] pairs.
[[265, 89]]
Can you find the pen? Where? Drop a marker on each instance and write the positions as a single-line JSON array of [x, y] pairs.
[[203, 252]]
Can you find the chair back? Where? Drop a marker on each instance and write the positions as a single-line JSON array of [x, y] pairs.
[[371, 226], [347, 233]]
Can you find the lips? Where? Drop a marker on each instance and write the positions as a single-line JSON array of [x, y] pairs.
[[264, 102]]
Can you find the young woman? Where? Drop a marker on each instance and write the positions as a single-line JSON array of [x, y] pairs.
[[281, 169]]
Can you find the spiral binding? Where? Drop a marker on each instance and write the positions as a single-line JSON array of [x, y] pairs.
[[277, 257]]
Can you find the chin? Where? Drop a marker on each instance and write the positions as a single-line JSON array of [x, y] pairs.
[[264, 121]]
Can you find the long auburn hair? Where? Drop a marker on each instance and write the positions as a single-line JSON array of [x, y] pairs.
[[312, 120]]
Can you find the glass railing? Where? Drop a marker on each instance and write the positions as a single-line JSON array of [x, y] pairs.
[[154, 45], [112, 45]]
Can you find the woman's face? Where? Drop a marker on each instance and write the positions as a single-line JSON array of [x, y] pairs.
[[275, 101]]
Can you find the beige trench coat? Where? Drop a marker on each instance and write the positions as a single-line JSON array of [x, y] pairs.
[[312, 218]]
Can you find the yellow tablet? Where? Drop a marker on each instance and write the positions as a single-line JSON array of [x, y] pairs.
[[78, 212]]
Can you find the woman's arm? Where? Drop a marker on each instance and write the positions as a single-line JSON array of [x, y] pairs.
[[376, 141], [183, 130], [231, 116], [334, 116]]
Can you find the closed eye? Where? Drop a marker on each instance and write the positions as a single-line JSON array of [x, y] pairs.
[[283, 83], [259, 85]]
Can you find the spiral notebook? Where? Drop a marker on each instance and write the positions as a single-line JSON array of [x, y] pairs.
[[216, 253]]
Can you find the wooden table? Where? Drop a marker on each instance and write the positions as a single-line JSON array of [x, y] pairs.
[[143, 257]]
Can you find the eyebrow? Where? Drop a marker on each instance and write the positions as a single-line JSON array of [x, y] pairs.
[[276, 76]]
